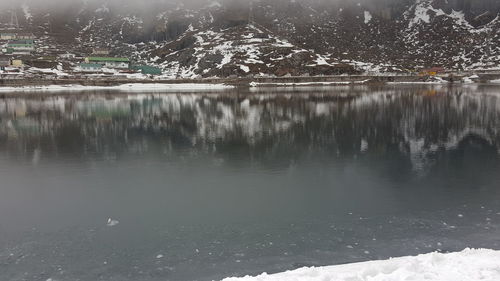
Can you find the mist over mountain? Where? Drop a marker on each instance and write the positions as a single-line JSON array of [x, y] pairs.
[[277, 37]]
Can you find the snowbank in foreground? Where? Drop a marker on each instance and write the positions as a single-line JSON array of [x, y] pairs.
[[468, 265], [123, 87]]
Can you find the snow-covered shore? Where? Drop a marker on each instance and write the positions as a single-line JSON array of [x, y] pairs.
[[210, 85], [301, 84], [123, 87], [468, 265]]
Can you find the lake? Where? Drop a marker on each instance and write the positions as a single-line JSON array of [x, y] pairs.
[[202, 186]]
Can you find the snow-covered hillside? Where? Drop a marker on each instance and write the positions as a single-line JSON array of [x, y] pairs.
[[238, 51], [276, 37], [448, 38]]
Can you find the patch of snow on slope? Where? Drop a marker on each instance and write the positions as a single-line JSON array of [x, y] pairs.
[[226, 51], [424, 9], [26, 11], [421, 14], [469, 264], [215, 4], [245, 68], [368, 17], [102, 9], [320, 60]]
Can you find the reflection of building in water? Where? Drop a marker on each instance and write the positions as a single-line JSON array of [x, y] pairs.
[[346, 123]]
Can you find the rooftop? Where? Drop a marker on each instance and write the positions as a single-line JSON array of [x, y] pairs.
[[104, 59], [20, 45]]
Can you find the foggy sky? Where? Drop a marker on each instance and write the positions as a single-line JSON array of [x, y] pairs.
[[151, 5], [54, 4]]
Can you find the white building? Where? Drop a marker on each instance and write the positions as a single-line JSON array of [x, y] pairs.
[[109, 62], [89, 67], [8, 36]]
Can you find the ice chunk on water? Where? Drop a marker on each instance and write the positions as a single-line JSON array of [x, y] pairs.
[[112, 222]]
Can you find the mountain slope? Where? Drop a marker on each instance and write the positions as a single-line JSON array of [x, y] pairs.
[[275, 37]]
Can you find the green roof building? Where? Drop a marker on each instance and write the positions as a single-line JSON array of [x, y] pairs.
[[8, 50], [24, 46], [26, 41]]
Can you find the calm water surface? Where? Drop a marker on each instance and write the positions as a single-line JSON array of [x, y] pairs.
[[210, 185]]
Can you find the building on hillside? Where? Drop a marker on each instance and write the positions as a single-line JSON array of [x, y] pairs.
[[100, 51], [24, 41], [17, 63], [7, 36], [146, 69], [6, 50], [4, 62], [109, 62], [88, 67], [25, 36], [433, 71], [22, 47], [48, 58], [67, 56]]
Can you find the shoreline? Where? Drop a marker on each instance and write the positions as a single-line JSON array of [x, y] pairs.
[[122, 87], [84, 84]]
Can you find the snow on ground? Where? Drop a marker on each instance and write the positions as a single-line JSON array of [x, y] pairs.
[[497, 81], [54, 71], [123, 87], [470, 79], [368, 17], [244, 68], [26, 11], [468, 265]]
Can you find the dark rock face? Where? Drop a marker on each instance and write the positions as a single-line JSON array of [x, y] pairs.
[[279, 37]]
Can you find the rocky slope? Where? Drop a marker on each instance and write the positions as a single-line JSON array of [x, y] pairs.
[[274, 37]]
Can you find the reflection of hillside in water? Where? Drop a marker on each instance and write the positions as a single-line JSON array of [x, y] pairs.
[[416, 124]]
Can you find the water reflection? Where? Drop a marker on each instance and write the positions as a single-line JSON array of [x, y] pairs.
[[232, 184], [416, 125]]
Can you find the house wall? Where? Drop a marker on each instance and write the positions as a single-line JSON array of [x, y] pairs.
[[26, 37], [67, 56], [116, 64], [23, 48], [19, 52], [100, 52], [17, 63], [110, 64], [4, 63], [88, 69], [7, 36]]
